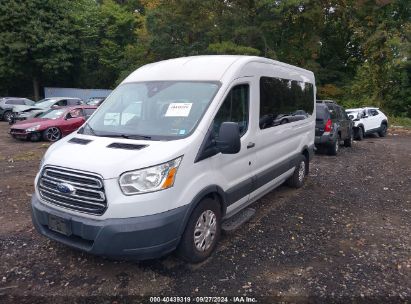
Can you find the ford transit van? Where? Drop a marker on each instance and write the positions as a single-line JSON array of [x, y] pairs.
[[178, 147]]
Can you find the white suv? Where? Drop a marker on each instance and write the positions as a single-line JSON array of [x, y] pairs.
[[367, 121]]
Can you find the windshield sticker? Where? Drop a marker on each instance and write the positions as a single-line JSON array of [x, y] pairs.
[[178, 109], [182, 132]]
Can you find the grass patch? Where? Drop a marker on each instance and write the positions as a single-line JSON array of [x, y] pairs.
[[26, 156], [400, 121]]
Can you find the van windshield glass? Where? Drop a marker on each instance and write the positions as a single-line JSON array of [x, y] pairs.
[[157, 110]]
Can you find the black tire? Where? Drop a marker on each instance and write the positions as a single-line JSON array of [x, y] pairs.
[[297, 179], [188, 249], [349, 140], [383, 130], [36, 136], [359, 134], [8, 116], [52, 134], [335, 147]]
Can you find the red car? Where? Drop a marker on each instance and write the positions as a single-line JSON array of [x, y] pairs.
[[53, 124]]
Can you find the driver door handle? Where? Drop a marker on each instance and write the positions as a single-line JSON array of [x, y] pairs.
[[250, 145]]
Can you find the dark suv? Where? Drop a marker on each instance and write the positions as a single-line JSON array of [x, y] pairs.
[[332, 126]]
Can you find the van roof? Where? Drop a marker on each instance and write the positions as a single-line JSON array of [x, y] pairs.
[[201, 68]]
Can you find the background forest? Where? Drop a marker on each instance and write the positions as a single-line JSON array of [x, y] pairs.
[[358, 50]]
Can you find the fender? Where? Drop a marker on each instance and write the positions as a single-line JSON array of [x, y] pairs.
[[213, 190]]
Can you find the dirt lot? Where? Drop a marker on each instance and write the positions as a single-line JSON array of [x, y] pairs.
[[346, 235]]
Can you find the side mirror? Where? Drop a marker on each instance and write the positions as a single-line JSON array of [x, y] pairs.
[[229, 138]]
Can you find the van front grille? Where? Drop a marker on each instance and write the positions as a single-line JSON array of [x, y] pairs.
[[72, 189]]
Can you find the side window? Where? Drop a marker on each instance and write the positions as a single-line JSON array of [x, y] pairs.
[[62, 103], [14, 102], [333, 112], [373, 112], [235, 108], [284, 101], [341, 113]]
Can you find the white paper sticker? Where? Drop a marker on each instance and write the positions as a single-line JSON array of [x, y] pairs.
[[178, 109]]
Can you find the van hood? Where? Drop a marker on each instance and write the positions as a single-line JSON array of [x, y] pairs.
[[108, 157]]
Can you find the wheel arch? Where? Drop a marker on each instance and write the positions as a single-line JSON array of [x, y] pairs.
[[214, 192]]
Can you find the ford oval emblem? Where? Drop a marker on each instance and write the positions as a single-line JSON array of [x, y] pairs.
[[65, 188]]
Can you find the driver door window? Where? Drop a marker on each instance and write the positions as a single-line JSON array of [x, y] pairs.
[[235, 108]]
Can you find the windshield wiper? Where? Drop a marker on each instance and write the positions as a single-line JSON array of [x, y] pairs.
[[128, 136]]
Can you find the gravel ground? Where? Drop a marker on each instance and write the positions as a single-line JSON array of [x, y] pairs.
[[344, 237]]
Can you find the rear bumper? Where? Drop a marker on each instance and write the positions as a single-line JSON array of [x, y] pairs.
[[325, 139], [145, 237]]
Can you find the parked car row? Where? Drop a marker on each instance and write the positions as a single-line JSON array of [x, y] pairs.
[[335, 126], [52, 124], [14, 109]]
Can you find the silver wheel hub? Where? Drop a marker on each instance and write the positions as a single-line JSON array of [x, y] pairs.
[[301, 171], [205, 230], [337, 144], [53, 134]]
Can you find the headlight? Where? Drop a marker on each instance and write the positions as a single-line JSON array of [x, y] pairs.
[[32, 129], [150, 179]]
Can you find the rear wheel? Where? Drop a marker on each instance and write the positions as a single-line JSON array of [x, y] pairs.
[[349, 140], [8, 116], [383, 130], [202, 232], [52, 134], [335, 147], [300, 172]]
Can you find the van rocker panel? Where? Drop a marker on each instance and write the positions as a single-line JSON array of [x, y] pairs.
[[141, 238]]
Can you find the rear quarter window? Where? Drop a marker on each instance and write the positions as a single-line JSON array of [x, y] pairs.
[[322, 112]]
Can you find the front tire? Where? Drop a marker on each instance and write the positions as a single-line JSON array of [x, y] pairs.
[[52, 134], [300, 172], [8, 116], [349, 140], [383, 130], [360, 134], [202, 232]]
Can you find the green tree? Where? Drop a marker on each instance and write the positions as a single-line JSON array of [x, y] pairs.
[[36, 40]]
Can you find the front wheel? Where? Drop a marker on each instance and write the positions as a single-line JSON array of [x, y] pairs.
[[359, 134], [383, 130], [349, 140], [52, 134], [300, 172], [202, 232]]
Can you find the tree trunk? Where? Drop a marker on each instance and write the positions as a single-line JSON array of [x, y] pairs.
[[36, 89]]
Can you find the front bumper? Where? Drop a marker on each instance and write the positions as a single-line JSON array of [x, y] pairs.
[[20, 135], [141, 238]]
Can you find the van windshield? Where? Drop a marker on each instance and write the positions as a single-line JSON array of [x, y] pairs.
[[157, 110]]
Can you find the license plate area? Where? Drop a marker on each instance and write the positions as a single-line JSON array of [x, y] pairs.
[[59, 225]]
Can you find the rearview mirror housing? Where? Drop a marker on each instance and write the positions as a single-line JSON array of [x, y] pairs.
[[228, 141]]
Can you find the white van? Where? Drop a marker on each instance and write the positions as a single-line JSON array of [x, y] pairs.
[[177, 148]]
